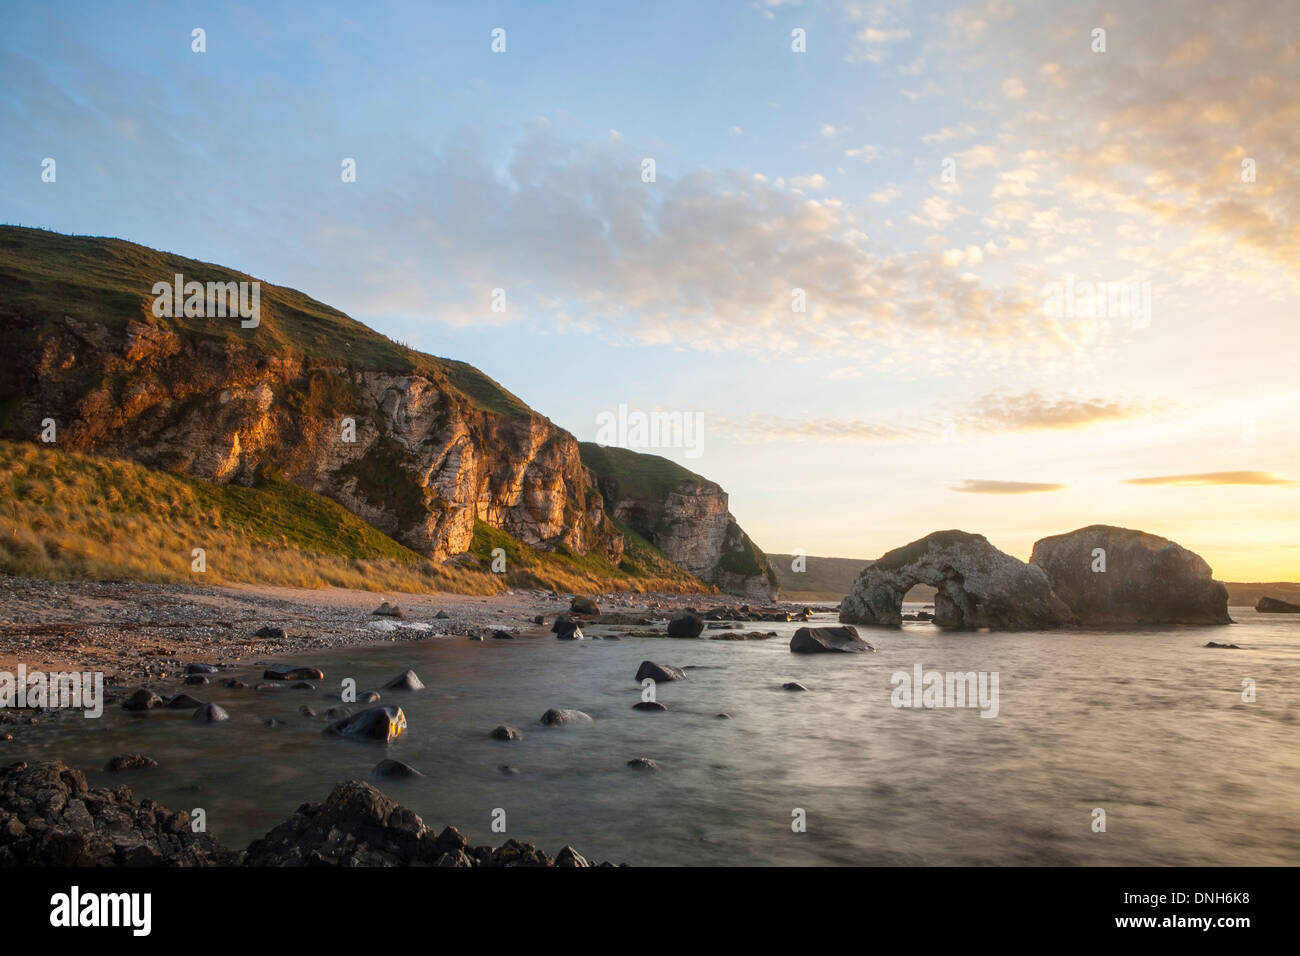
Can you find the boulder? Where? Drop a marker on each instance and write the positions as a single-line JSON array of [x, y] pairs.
[[793, 685], [1272, 605], [977, 585], [380, 724], [270, 633], [292, 672], [183, 702], [658, 672], [572, 633], [686, 624], [143, 699], [405, 681], [201, 669], [1147, 579], [584, 605], [828, 640], [210, 714], [387, 610], [556, 717]]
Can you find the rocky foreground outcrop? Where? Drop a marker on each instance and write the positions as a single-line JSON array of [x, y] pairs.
[[976, 586], [1110, 576], [50, 817]]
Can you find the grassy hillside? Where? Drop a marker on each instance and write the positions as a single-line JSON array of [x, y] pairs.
[[638, 475], [46, 275], [74, 516]]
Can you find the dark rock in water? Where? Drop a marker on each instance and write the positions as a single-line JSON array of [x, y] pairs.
[[1231, 647], [1272, 605], [407, 680], [924, 616], [658, 672], [910, 617], [539, 620], [686, 624], [394, 769], [1147, 579], [210, 714], [557, 717], [508, 770], [337, 713], [573, 633], [503, 732], [827, 640], [722, 716], [292, 672], [233, 683], [502, 636], [441, 616], [196, 679], [793, 685], [368, 697], [584, 605], [388, 610], [270, 633], [569, 857], [643, 763], [130, 762], [183, 702], [49, 817], [201, 669], [143, 699], [649, 705], [307, 710], [977, 586], [380, 724]]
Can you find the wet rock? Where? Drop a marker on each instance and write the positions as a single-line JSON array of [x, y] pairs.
[[642, 763], [129, 762], [201, 669], [407, 680], [658, 672], [379, 724], [270, 633], [184, 702], [502, 636], [584, 605], [569, 857], [828, 640], [142, 699], [686, 624], [337, 713], [292, 672], [793, 685], [1147, 579], [196, 679], [722, 716], [649, 705], [368, 697], [503, 732], [394, 769], [211, 714], [234, 684], [508, 770], [1229, 647], [387, 610], [571, 633], [556, 717]]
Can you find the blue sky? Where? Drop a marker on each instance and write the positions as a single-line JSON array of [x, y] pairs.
[[924, 387]]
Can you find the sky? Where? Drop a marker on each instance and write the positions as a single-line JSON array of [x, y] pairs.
[[867, 260]]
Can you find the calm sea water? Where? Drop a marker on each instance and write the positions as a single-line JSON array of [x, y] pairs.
[[1149, 726]]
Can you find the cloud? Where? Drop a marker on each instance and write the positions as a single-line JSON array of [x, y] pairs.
[[979, 486], [1216, 478], [1032, 411]]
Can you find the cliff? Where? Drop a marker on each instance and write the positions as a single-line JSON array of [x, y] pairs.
[[419, 447], [683, 515]]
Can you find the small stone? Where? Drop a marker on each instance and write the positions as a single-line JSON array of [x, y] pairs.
[[211, 714], [503, 732]]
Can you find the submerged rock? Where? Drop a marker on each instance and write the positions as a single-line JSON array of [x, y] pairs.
[[828, 640], [407, 680], [380, 724], [793, 685], [142, 699], [658, 672], [394, 769], [977, 586], [129, 762], [184, 702], [649, 705], [556, 717], [503, 732], [368, 697], [1272, 605], [1147, 579], [292, 672], [643, 763], [198, 679], [1230, 647]]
